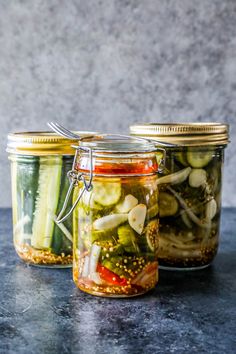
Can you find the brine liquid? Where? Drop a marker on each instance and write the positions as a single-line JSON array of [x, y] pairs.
[[39, 186], [116, 237], [190, 207]]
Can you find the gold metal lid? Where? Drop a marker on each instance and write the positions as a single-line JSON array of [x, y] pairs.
[[41, 143], [184, 133]]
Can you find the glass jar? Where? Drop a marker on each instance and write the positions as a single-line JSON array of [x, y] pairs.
[[115, 222], [40, 162], [189, 191]]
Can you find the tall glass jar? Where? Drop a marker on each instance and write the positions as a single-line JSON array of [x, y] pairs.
[[115, 221], [40, 162], [189, 191]]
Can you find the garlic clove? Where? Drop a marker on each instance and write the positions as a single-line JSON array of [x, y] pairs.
[[109, 221], [136, 217], [211, 209], [127, 204]]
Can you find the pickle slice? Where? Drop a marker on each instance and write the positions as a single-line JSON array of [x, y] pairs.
[[127, 239], [153, 211], [199, 159], [168, 205], [181, 157], [151, 233], [104, 235], [88, 200], [107, 193]]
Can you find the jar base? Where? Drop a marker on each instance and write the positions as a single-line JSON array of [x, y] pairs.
[[97, 293], [110, 295], [112, 291], [49, 266], [183, 269]]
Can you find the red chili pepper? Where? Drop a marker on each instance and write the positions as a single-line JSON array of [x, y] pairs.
[[110, 277]]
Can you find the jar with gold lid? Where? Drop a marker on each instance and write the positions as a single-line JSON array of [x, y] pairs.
[[189, 191], [40, 162]]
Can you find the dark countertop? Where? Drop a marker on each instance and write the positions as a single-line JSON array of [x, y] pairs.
[[41, 311]]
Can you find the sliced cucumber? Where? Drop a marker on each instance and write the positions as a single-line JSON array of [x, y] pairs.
[[118, 266], [153, 211], [62, 242], [29, 186], [168, 205], [106, 193], [101, 236], [151, 233], [113, 264], [47, 201], [199, 159], [127, 238], [88, 200], [181, 157], [24, 187]]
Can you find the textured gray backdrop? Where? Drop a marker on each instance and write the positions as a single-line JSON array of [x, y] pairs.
[[104, 64]]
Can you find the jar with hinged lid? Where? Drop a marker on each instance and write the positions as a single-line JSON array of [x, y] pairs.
[[40, 162], [115, 222], [189, 191]]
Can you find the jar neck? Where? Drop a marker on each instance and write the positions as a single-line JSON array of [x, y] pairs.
[[118, 164]]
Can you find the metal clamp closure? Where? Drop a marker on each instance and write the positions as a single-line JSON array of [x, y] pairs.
[[162, 162], [75, 178]]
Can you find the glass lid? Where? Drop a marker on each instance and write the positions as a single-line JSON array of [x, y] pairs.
[[115, 143]]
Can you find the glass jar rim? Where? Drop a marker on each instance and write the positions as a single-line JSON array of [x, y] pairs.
[[38, 143], [116, 144], [195, 134]]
